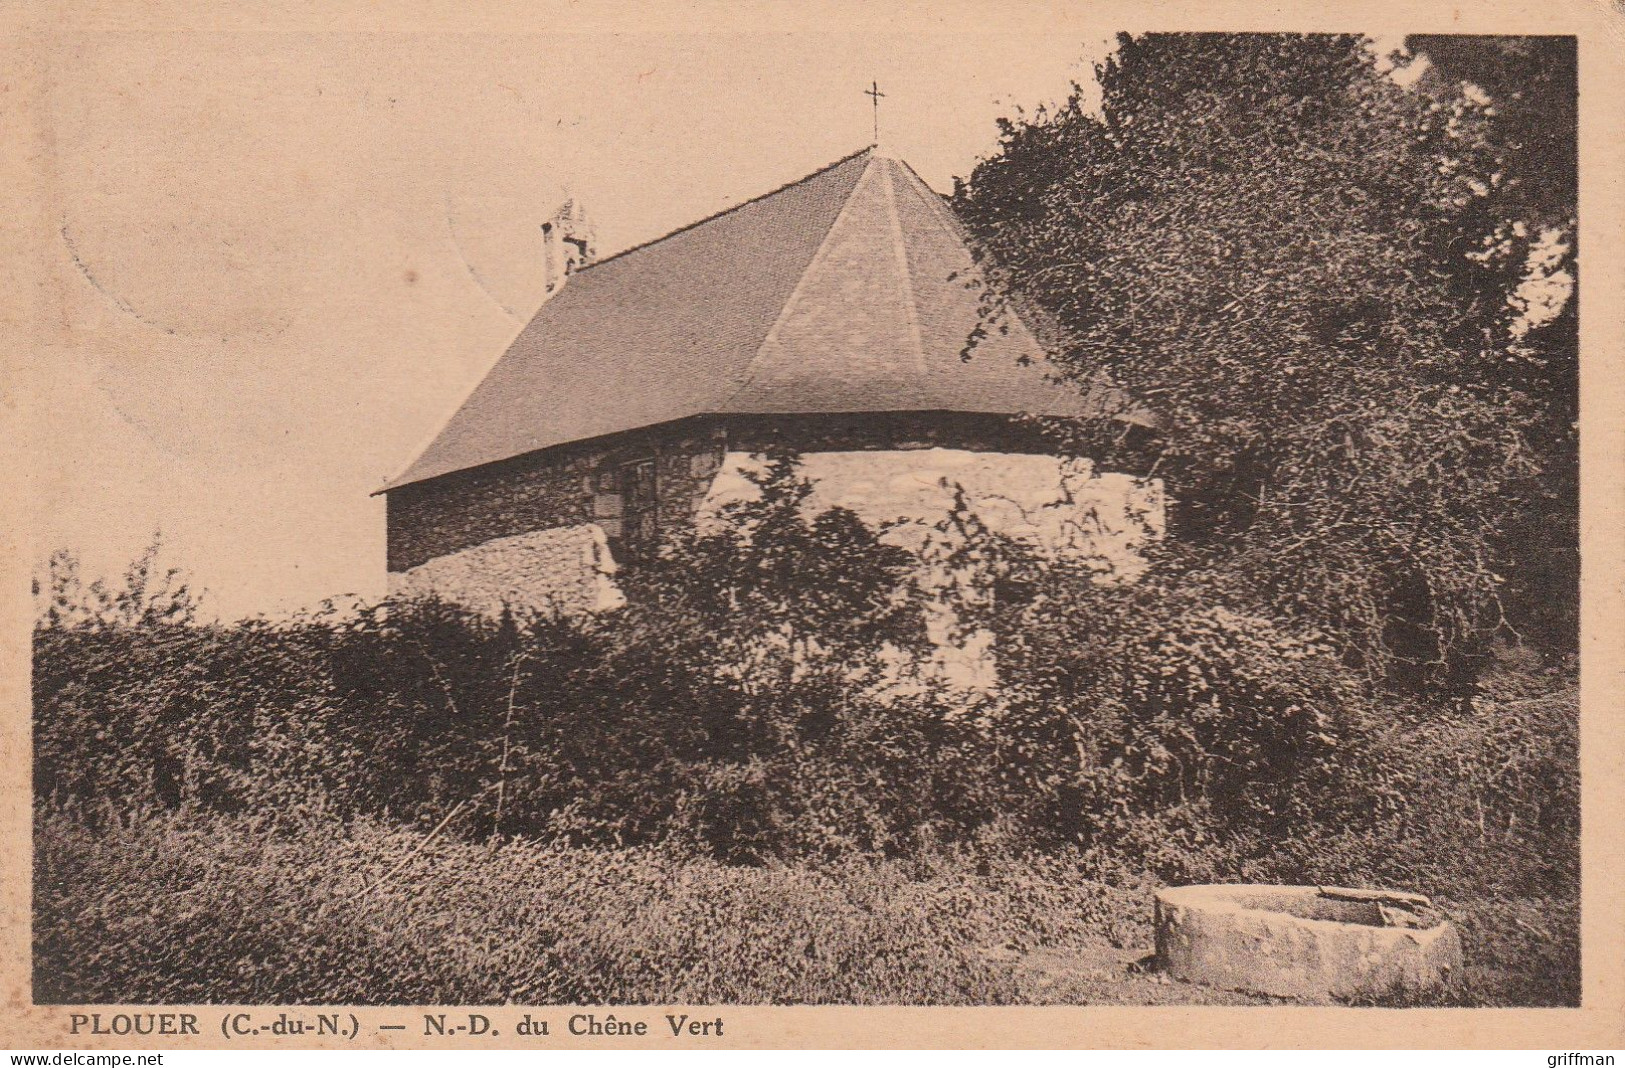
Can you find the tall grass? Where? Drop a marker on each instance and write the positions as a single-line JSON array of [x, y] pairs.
[[161, 906], [187, 907]]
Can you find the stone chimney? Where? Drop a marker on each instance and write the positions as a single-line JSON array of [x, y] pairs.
[[568, 244]]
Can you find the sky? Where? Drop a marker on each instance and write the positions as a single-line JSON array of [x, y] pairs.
[[276, 262]]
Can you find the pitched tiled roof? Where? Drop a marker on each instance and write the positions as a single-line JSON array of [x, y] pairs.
[[843, 292]]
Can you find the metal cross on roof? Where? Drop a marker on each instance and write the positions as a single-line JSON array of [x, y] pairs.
[[874, 93]]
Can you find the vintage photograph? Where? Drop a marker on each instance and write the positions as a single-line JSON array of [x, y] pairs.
[[832, 519]]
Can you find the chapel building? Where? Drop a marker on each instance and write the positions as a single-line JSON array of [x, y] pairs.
[[830, 317]]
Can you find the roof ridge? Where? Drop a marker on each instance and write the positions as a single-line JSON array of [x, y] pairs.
[[748, 374], [726, 211], [950, 222], [934, 202], [911, 308]]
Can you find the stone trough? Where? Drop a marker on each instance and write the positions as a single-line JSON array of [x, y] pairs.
[[1315, 943]]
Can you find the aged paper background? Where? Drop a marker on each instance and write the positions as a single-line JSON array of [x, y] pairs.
[[43, 319]]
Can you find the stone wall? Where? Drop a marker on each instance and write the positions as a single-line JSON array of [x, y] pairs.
[[544, 530], [565, 569], [1062, 508], [570, 486]]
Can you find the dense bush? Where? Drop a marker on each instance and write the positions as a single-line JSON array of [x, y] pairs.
[[1138, 731], [763, 697], [748, 705], [1126, 701]]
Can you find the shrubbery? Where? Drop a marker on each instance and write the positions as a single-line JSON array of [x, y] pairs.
[[759, 703], [757, 700]]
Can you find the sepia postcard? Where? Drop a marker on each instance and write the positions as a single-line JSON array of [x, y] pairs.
[[970, 524]]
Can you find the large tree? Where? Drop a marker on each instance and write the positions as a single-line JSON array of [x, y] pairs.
[[1530, 213], [1303, 269]]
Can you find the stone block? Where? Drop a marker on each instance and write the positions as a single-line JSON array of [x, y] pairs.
[[1311, 943]]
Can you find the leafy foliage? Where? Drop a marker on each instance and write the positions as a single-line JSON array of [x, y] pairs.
[[1138, 728], [1303, 270], [145, 597], [1130, 702], [1158, 720]]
